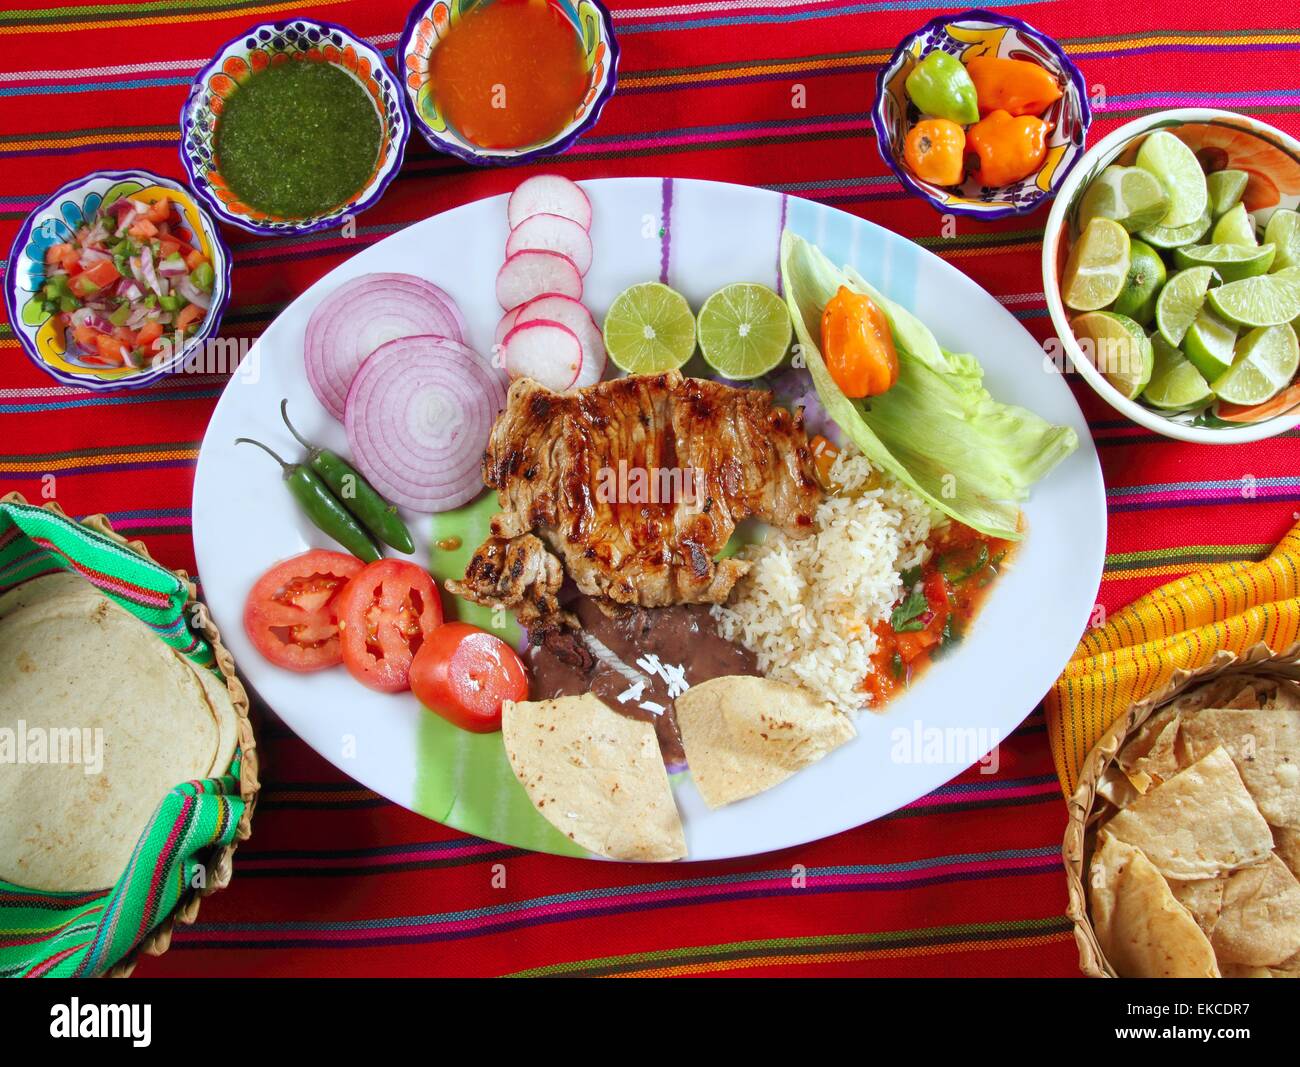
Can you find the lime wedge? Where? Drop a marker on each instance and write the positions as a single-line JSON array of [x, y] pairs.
[[1146, 274], [1131, 196], [1268, 300], [1283, 231], [1180, 302], [1165, 156], [1097, 267], [1267, 359], [1236, 227], [1118, 347], [744, 331], [1175, 384], [1232, 262], [1209, 344], [1176, 236], [1226, 188], [649, 328]]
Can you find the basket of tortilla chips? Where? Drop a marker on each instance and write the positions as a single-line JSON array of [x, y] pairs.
[[128, 769], [1183, 849]]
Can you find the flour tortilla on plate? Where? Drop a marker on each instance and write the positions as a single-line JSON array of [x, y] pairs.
[[597, 776], [75, 662], [743, 734], [1200, 823], [1260, 922], [1142, 929]]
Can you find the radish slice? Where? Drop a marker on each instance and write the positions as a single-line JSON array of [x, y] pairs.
[[574, 315], [552, 233], [360, 316], [506, 324], [545, 351], [531, 273], [548, 194], [418, 416]]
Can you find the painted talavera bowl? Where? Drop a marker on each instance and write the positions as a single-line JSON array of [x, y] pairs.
[[54, 222], [1222, 140], [429, 23], [967, 36], [293, 40]]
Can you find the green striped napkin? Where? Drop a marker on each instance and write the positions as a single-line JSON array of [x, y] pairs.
[[45, 934]]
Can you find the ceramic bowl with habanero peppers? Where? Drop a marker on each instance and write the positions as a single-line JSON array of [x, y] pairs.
[[980, 114]]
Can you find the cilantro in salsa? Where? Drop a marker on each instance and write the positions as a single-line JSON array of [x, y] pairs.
[[298, 139]]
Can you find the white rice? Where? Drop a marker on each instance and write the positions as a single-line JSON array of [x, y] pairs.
[[807, 605]]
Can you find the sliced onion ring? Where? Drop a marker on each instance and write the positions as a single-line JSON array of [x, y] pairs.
[[418, 415], [363, 314]]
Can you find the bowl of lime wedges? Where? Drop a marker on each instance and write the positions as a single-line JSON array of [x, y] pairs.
[[1171, 268]]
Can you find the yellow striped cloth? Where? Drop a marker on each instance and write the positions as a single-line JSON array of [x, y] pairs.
[[1180, 625]]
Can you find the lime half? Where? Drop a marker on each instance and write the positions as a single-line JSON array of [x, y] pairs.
[[1267, 359], [1175, 384], [1097, 267], [1165, 156], [1209, 344], [1236, 227], [1131, 196], [1283, 232], [744, 330], [1176, 236], [1118, 347], [649, 328], [1226, 188], [1268, 300], [1232, 262], [1180, 302]]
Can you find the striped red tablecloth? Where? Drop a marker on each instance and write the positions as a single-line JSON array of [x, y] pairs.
[[337, 881]]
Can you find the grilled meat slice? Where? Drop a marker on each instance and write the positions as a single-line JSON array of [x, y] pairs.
[[517, 573], [638, 483]]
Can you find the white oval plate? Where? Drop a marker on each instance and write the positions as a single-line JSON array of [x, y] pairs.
[[698, 236]]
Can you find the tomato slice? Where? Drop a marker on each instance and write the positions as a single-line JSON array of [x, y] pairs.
[[291, 612], [385, 614], [465, 674]]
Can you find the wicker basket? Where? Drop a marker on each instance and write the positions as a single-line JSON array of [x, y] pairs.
[[1086, 809], [221, 867]]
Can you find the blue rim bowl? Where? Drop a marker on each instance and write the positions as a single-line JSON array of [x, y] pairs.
[[980, 33], [52, 222], [429, 22], [313, 40]]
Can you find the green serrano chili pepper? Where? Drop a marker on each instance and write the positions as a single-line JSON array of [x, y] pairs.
[[322, 506], [360, 498]]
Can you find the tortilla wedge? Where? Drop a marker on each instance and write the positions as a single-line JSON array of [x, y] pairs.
[[1264, 743], [595, 775], [1260, 922], [1141, 927], [743, 735]]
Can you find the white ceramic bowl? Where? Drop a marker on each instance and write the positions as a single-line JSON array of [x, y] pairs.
[[1221, 139]]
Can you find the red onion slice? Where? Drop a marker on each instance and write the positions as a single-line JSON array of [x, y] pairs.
[[418, 415], [363, 314]]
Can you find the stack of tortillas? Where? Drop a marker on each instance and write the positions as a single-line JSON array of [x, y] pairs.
[[102, 719], [1195, 874], [599, 777]]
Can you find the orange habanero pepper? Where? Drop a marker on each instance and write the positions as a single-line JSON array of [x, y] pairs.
[[857, 344], [935, 151], [1009, 147], [1017, 86]]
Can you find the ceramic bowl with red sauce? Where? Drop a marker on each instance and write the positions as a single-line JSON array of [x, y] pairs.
[[507, 81]]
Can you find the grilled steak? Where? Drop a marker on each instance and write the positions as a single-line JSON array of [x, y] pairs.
[[636, 484]]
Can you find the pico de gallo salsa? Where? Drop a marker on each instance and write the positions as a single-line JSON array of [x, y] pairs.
[[128, 285], [940, 598]]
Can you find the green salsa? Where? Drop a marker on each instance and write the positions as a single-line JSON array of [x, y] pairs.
[[298, 139]]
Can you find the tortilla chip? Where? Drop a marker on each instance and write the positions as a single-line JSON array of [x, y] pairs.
[[1141, 927], [1238, 970], [1160, 763], [743, 735], [1203, 898], [1200, 823], [1287, 968], [1260, 922], [1286, 843], [597, 776], [1221, 692], [1265, 746], [78, 670]]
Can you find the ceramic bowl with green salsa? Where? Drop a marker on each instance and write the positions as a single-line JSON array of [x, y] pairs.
[[293, 127]]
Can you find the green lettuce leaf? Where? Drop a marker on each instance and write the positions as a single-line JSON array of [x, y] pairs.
[[937, 430]]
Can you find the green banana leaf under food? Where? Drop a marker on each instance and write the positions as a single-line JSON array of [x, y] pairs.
[[937, 430]]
